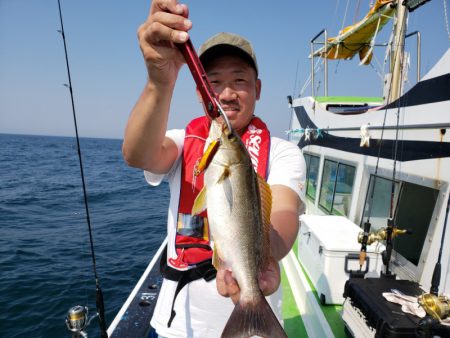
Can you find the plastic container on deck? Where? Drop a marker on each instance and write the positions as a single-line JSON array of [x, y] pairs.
[[328, 249]]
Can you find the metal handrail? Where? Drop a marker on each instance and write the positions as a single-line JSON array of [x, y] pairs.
[[419, 44], [325, 43], [323, 31]]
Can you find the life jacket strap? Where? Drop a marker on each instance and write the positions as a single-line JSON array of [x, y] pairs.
[[203, 270]]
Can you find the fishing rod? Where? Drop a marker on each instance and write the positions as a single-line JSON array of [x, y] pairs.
[[435, 280], [77, 317], [391, 231], [363, 237], [209, 98], [391, 228], [437, 307]]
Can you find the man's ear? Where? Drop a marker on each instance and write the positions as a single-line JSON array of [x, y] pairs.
[[258, 85]]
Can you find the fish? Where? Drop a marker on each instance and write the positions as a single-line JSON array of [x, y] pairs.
[[238, 202]]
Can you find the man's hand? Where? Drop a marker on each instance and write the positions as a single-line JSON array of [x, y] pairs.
[[145, 145], [166, 24], [269, 281]]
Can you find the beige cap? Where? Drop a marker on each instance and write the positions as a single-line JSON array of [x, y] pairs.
[[227, 43]]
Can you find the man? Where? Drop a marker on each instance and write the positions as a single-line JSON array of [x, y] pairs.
[[197, 308]]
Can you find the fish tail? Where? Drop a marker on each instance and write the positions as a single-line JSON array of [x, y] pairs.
[[254, 319]]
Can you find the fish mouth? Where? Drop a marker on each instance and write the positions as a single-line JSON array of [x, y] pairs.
[[220, 129], [221, 121], [224, 128]]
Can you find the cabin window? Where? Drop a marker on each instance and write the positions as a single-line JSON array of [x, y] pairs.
[[348, 108], [414, 209], [336, 188], [312, 170], [378, 201]]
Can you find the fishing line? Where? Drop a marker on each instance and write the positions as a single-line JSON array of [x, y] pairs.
[[402, 42], [382, 134], [386, 256], [387, 253], [377, 164], [99, 293]]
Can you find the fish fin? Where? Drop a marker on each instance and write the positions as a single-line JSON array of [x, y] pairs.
[[265, 194], [226, 184], [253, 319], [200, 202], [225, 174], [207, 156]]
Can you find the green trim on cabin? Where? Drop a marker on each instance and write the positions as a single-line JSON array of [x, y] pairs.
[[347, 99], [293, 323]]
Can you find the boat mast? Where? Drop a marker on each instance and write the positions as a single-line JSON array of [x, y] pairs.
[[397, 53]]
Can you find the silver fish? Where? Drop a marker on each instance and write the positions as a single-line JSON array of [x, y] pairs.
[[238, 202]]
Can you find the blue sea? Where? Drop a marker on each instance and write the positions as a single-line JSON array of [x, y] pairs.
[[45, 259]]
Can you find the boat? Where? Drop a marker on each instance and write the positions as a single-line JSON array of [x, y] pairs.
[[378, 180], [380, 162]]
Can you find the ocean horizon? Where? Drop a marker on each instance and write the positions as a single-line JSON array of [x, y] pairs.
[[45, 259]]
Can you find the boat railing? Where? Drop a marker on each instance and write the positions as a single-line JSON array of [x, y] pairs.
[[313, 42], [325, 44], [419, 44]]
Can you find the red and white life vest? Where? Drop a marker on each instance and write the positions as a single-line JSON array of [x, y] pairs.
[[192, 241]]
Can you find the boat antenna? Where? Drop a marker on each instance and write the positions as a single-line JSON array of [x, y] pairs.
[[73, 317], [296, 79]]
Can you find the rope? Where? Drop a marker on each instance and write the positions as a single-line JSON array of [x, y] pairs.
[[357, 11], [372, 42], [377, 71], [345, 16], [446, 19], [308, 80]]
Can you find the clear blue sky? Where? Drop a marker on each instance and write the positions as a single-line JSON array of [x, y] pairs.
[[108, 72]]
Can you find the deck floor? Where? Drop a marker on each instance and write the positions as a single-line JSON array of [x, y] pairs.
[[293, 323]]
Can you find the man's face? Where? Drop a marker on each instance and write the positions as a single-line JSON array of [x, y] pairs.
[[237, 88]]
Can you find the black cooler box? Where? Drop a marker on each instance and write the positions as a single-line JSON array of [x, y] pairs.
[[384, 319]]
